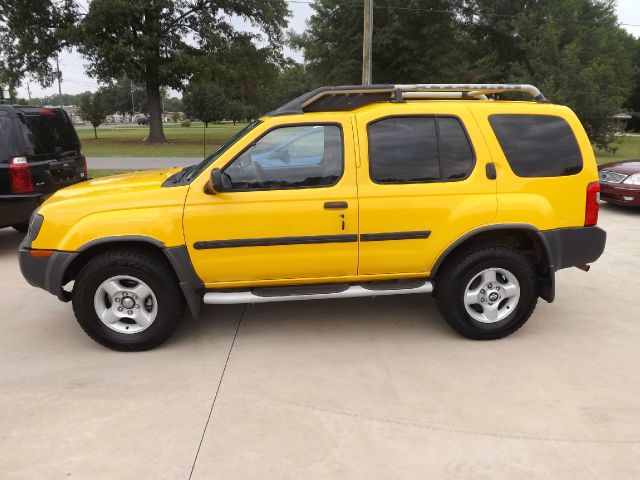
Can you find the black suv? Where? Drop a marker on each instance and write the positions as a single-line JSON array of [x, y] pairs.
[[39, 154]]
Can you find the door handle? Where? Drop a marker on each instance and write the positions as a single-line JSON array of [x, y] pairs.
[[335, 205], [491, 171]]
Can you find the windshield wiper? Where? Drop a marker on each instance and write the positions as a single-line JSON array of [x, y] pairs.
[[179, 176]]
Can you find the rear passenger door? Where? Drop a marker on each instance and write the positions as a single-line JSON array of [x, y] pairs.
[[422, 183]]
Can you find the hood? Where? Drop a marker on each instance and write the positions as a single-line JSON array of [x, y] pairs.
[[117, 184], [626, 167]]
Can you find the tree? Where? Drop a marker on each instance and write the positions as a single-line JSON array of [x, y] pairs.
[[633, 102], [31, 34], [573, 50], [236, 111], [173, 104], [94, 108], [160, 42], [414, 41], [206, 102], [118, 96]]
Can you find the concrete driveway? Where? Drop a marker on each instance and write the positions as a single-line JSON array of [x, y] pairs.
[[349, 389]]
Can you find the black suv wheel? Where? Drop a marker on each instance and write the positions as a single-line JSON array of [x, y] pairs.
[[488, 293], [128, 300]]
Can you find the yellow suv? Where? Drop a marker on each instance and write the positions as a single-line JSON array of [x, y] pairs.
[[343, 192]]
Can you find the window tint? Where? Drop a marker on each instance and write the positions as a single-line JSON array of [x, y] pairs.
[[289, 157], [7, 140], [418, 149], [456, 156], [49, 133], [403, 150], [537, 145]]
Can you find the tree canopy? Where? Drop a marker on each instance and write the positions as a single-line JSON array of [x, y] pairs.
[[94, 108], [573, 50], [32, 33], [206, 101], [160, 42]]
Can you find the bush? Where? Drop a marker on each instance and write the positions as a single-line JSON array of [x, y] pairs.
[[186, 123]]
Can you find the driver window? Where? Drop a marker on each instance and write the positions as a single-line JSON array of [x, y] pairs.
[[289, 157]]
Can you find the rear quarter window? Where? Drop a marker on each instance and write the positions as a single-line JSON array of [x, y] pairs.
[[537, 145]]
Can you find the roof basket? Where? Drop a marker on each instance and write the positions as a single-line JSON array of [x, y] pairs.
[[353, 96]]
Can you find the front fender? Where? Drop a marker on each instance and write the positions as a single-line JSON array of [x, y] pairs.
[[163, 225]]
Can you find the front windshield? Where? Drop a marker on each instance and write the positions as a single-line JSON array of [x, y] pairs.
[[200, 167]]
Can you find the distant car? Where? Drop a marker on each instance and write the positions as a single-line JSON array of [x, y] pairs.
[[143, 120], [620, 182], [39, 154]]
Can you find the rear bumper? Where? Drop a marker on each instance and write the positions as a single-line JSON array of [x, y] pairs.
[[45, 272], [15, 209], [569, 247], [620, 194]]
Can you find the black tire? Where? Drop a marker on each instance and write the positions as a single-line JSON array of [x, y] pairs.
[[149, 267], [21, 227], [452, 283]]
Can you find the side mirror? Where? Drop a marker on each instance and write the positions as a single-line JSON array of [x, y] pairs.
[[215, 182]]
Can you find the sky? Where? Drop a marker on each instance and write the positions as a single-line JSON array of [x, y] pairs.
[[74, 79]]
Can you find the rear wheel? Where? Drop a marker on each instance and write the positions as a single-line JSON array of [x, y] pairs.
[[128, 300], [488, 293]]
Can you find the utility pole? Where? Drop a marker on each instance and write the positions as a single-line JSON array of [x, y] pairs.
[[366, 42], [29, 91], [59, 79]]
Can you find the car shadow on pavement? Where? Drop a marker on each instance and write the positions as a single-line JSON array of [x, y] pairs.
[[9, 241], [392, 317], [630, 211]]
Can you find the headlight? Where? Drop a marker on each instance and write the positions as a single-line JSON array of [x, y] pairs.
[[632, 179]]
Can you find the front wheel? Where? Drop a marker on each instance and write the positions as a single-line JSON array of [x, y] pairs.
[[128, 300], [489, 293]]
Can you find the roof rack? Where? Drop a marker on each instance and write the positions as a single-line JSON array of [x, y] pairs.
[[348, 97]]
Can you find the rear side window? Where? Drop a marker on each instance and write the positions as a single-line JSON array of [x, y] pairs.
[[48, 133], [538, 145], [7, 140], [418, 150]]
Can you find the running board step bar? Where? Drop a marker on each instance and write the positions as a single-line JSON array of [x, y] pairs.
[[316, 292]]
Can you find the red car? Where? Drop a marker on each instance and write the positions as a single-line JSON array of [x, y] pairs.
[[620, 182]]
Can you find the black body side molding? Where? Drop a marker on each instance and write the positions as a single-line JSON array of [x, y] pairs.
[[308, 240], [379, 237], [274, 241]]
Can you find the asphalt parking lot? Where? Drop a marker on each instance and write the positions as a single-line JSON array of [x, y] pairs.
[[351, 389]]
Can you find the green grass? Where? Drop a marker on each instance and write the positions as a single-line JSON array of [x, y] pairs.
[[126, 141], [104, 172], [628, 149]]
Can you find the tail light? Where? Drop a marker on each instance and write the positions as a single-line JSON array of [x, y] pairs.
[[20, 175], [592, 208]]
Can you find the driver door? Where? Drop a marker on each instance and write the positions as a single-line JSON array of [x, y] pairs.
[[288, 211]]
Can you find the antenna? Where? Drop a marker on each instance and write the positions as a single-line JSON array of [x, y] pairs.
[[204, 140]]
